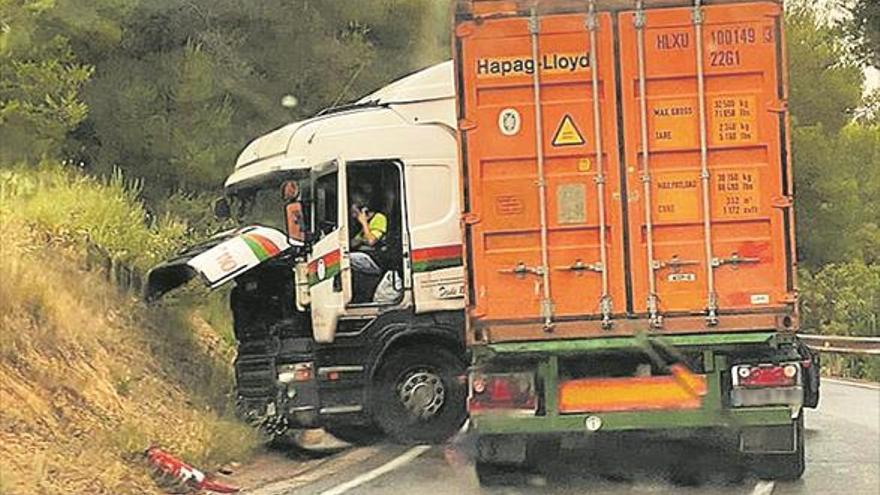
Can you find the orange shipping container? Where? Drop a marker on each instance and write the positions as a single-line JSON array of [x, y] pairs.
[[617, 181]]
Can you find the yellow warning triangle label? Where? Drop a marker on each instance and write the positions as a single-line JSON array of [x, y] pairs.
[[568, 134]]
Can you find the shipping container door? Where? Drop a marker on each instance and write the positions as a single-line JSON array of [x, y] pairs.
[[500, 155], [746, 187]]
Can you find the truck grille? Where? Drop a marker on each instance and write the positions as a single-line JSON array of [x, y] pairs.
[[255, 377]]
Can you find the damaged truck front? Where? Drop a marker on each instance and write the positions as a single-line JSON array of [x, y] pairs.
[[274, 338], [357, 338]]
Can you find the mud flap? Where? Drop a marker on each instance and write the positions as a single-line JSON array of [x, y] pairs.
[[812, 366]]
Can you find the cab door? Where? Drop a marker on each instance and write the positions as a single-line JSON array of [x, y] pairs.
[[329, 268]]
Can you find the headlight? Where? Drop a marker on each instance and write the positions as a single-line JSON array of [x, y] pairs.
[[296, 372]]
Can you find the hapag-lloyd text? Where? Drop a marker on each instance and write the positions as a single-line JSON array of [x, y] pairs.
[[519, 66]]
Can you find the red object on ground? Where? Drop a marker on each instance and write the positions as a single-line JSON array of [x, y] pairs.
[[190, 476]]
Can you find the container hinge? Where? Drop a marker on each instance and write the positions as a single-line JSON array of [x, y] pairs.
[[579, 266], [712, 310], [781, 202], [697, 13], [534, 26], [466, 125], [780, 109], [639, 16], [547, 313], [734, 260], [464, 30], [477, 313], [607, 307], [592, 23], [521, 270], [655, 319], [470, 218]]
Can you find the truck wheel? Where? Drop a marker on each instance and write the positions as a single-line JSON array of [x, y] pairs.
[[785, 467], [355, 434], [417, 396]]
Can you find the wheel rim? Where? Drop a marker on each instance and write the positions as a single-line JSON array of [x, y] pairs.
[[422, 393]]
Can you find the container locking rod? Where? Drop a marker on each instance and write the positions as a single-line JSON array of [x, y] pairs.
[[705, 176], [655, 319], [547, 302], [605, 302]]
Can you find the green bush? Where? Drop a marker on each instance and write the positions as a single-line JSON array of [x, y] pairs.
[[70, 204], [843, 299]]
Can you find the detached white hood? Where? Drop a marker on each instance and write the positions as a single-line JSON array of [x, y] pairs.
[[218, 260]]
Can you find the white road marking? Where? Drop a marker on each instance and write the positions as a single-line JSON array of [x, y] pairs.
[[853, 383], [386, 468], [763, 488]]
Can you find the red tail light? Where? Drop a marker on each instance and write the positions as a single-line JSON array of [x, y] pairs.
[[766, 375], [507, 391]]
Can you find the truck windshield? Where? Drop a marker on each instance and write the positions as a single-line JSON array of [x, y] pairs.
[[264, 207]]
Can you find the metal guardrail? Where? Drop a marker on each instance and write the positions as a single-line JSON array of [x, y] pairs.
[[131, 280], [121, 274], [839, 344]]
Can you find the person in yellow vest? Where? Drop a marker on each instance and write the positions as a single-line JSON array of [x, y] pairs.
[[371, 227], [372, 224]]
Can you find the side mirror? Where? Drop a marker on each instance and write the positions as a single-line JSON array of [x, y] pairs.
[[294, 220], [222, 211]]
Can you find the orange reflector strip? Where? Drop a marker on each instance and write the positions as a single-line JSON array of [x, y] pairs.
[[681, 390]]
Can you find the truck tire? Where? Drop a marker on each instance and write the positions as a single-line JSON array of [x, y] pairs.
[[783, 467], [355, 434], [417, 395]]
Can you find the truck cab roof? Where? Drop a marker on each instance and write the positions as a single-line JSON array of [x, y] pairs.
[[423, 98]]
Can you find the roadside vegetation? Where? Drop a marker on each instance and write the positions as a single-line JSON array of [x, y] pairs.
[[836, 157], [90, 376]]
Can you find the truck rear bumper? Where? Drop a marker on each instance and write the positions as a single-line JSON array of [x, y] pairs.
[[577, 405], [491, 424]]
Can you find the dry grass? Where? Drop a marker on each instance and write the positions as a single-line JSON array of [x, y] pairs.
[[90, 378]]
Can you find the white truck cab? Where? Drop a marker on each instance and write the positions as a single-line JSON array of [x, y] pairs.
[[351, 335]]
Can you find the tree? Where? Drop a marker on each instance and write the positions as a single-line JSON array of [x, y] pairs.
[[190, 82], [863, 30], [40, 82], [838, 183], [825, 82], [836, 160]]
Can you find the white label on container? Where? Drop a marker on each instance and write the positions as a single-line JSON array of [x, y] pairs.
[[682, 277], [760, 299], [509, 122]]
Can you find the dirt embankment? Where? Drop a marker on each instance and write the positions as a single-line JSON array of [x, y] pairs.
[[89, 378]]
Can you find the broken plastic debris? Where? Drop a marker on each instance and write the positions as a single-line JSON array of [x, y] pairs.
[[169, 466]]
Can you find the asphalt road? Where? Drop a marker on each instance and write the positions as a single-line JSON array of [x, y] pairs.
[[843, 456]]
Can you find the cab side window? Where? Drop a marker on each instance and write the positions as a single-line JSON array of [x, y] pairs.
[[326, 205], [376, 236]]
